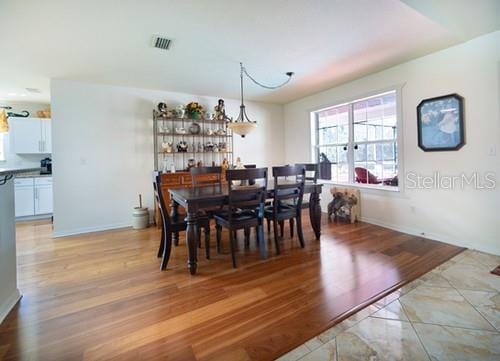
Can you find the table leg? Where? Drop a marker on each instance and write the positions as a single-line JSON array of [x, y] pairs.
[[174, 215], [192, 240], [315, 213]]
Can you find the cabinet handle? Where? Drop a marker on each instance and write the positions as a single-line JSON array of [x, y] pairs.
[[39, 145], [43, 145]]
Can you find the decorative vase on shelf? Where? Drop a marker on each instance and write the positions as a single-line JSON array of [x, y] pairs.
[[180, 111], [195, 116]]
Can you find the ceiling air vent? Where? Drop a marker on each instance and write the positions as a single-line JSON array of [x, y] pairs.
[[161, 42], [33, 90]]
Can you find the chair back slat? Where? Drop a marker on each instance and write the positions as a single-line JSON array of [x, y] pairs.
[[286, 188], [247, 196], [245, 174], [202, 176], [311, 169], [250, 166]]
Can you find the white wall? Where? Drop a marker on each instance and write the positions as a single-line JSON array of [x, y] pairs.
[[461, 216], [21, 160], [103, 149], [9, 294]]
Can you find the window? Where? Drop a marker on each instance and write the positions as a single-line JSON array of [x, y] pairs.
[[357, 142], [2, 146]]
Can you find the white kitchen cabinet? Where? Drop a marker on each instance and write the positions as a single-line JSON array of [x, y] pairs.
[[33, 196], [43, 195], [24, 193], [31, 135], [46, 135]]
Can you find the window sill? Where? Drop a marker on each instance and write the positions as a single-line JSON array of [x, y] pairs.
[[373, 188]]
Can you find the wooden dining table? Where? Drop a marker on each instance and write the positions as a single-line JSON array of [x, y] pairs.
[[196, 199]]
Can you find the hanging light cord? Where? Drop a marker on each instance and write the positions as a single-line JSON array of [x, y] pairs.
[[244, 71]]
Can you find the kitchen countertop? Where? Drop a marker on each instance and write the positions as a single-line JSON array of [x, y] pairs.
[[32, 175], [18, 170]]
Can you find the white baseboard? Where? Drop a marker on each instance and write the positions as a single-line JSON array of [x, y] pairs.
[[9, 304], [73, 232], [34, 218], [435, 237]]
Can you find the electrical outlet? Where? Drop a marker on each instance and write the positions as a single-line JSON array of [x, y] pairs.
[[492, 150]]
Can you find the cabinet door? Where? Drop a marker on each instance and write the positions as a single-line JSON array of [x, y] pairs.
[[46, 135], [43, 199], [27, 135], [24, 198]]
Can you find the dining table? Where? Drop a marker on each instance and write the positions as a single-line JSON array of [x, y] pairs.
[[198, 198]]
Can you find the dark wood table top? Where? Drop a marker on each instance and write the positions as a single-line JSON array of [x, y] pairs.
[[217, 192]]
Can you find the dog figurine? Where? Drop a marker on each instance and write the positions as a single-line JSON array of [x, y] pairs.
[[345, 204]]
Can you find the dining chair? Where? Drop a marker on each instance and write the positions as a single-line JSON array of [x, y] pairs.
[[250, 182], [170, 226], [287, 200], [312, 171], [245, 206], [206, 176]]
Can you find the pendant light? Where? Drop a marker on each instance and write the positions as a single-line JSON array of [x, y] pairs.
[[242, 125]]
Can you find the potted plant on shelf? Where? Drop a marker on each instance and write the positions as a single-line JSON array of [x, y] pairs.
[[194, 110]]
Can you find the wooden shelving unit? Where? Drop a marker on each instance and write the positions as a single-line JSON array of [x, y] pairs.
[[165, 130]]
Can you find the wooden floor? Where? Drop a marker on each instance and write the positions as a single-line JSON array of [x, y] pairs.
[[102, 296]]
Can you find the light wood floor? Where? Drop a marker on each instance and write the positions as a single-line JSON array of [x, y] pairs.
[[102, 296]]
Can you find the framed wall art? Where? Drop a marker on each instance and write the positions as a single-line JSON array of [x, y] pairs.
[[441, 123]]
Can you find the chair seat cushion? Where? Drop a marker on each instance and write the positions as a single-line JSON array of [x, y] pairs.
[[238, 216], [283, 213], [283, 207]]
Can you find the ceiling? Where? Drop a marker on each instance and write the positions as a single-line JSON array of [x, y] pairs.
[[325, 42]]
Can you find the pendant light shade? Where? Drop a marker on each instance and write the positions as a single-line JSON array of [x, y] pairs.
[[242, 128]]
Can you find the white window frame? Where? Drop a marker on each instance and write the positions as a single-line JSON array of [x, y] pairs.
[[399, 141]]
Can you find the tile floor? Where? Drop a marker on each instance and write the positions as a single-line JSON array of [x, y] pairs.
[[450, 313]]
